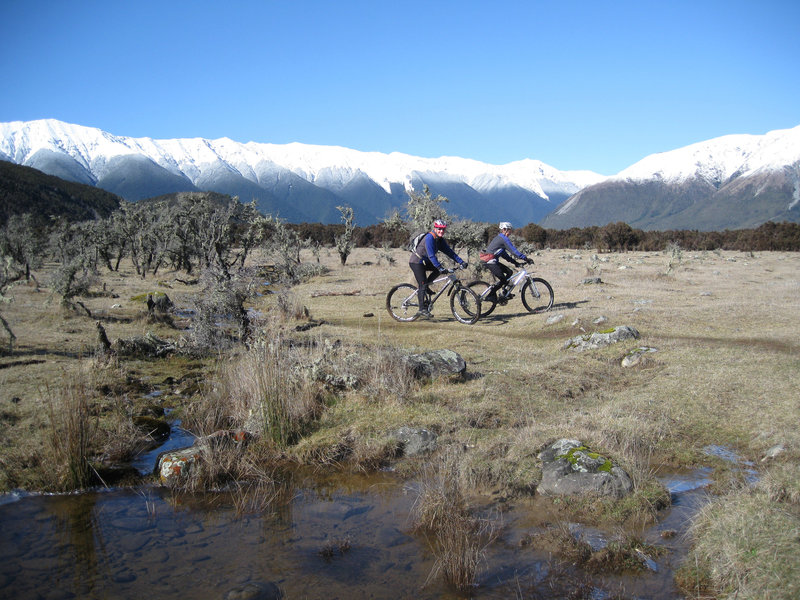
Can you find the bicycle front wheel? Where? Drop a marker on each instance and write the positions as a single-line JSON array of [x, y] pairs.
[[537, 295], [402, 302], [465, 305], [481, 288]]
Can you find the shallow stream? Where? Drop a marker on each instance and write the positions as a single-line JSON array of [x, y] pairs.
[[149, 543], [340, 536]]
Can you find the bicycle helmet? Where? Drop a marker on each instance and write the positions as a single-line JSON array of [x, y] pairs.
[[505, 225], [439, 224]]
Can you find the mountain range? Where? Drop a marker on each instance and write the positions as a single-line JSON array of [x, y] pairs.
[[297, 182], [729, 182]]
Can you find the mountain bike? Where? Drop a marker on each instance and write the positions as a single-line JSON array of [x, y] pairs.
[[403, 304], [535, 292]]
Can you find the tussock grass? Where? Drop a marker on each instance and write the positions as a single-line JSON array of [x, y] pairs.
[[457, 539], [745, 545], [71, 430], [261, 392]]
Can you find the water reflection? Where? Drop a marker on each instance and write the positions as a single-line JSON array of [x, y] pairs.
[[157, 544]]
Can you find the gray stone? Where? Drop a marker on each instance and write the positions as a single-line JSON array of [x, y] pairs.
[[415, 441], [599, 339], [634, 357], [436, 363], [570, 468], [773, 452]]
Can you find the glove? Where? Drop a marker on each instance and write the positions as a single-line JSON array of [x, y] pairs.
[[528, 261], [463, 265]]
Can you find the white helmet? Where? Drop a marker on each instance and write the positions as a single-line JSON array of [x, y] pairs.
[[505, 225]]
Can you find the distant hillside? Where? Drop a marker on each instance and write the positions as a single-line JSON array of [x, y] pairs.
[[731, 182], [27, 190]]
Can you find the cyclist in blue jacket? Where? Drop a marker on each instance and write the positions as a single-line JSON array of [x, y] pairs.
[[498, 248], [423, 260]]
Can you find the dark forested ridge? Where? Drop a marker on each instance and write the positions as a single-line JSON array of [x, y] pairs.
[[28, 190]]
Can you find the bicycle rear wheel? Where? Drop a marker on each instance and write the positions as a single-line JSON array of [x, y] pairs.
[[481, 288], [537, 295], [465, 305], [402, 302]]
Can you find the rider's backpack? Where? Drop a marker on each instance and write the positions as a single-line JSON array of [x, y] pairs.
[[415, 240]]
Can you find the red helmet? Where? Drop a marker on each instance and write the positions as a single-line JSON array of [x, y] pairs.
[[439, 224]]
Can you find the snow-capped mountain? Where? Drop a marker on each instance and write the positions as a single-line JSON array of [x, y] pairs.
[[733, 181], [298, 182]]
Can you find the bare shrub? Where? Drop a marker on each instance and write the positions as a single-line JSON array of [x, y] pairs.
[[289, 307], [220, 315]]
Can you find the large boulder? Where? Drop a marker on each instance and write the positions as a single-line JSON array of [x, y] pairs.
[[570, 468], [436, 363]]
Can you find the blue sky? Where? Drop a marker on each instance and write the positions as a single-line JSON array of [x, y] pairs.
[[579, 85]]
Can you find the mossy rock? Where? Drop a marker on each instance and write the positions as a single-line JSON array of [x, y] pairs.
[[569, 467]]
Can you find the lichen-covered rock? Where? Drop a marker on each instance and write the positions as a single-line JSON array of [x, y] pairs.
[[436, 363], [570, 468], [176, 465], [599, 339]]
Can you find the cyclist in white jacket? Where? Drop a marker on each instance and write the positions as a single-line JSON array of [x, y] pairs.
[[501, 247]]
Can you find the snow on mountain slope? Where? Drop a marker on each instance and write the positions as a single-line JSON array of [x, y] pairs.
[[331, 167], [718, 159]]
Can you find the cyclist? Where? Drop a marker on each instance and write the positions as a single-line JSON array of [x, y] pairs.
[[424, 260], [498, 248]]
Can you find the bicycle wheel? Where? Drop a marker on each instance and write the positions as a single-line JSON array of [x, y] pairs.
[[402, 302], [481, 288], [537, 295], [465, 306]]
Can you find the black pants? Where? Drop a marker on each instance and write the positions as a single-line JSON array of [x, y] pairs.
[[423, 279], [501, 273]]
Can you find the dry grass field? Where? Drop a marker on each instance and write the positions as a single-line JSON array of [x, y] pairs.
[[725, 372]]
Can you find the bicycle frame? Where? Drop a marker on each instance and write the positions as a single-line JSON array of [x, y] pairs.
[[451, 281], [518, 278], [533, 292], [464, 303]]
